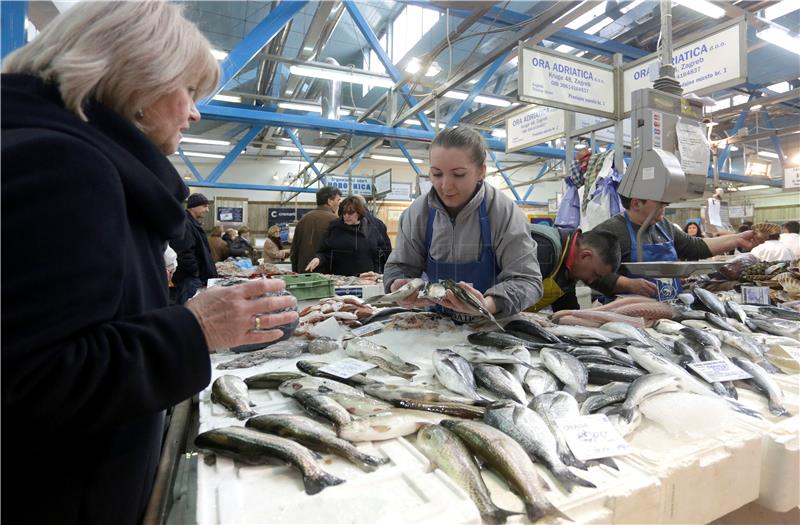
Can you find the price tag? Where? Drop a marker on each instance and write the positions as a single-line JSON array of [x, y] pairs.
[[367, 329], [719, 371], [755, 295], [592, 437], [346, 368]]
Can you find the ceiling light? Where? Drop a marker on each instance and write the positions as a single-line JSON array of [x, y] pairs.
[[756, 107], [415, 122], [565, 48], [197, 140], [413, 66], [781, 8], [768, 154], [342, 76], [433, 70], [311, 108], [599, 25], [186, 177], [580, 145], [491, 169], [308, 149], [587, 17], [393, 159], [204, 155], [780, 38], [499, 133], [219, 55], [733, 148], [480, 99], [630, 6], [702, 6], [753, 187], [228, 98], [780, 87]]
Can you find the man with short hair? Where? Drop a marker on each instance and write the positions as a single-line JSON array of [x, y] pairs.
[[661, 242], [195, 264], [791, 237], [566, 257], [313, 228]]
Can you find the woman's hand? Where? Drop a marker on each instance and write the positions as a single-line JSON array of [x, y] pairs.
[[312, 264], [635, 286], [452, 302], [748, 240], [237, 315]]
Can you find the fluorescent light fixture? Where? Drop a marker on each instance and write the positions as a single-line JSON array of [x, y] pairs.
[[580, 145], [433, 70], [311, 108], [796, 159], [393, 159], [204, 155], [581, 54], [768, 154], [480, 99], [415, 122], [413, 66], [587, 17], [599, 25], [309, 149], [781, 8], [703, 7], [197, 140], [491, 169], [499, 133], [780, 38], [292, 162], [733, 148], [753, 187], [632, 5], [780, 87], [228, 98], [342, 76], [740, 99], [756, 107], [564, 48], [721, 104], [219, 55]]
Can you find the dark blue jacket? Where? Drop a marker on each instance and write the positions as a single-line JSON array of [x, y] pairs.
[[91, 354], [348, 250]]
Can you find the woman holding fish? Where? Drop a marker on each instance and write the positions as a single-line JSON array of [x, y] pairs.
[[468, 232]]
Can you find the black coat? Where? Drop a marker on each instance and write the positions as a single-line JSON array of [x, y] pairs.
[[348, 250], [91, 354], [378, 230], [194, 254]]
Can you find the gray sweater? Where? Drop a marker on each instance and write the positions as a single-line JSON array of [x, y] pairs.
[[519, 282]]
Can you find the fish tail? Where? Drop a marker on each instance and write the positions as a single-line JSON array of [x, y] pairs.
[[732, 393], [370, 463], [536, 511], [568, 459], [777, 410], [245, 414], [769, 367], [608, 462], [314, 484], [569, 480], [625, 413], [496, 515]]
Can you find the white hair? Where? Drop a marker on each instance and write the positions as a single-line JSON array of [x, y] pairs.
[[126, 55]]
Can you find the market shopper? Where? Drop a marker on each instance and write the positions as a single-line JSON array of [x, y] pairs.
[[219, 248], [790, 237], [240, 244], [92, 355], [379, 231], [692, 229], [349, 248], [467, 231], [313, 227], [273, 250], [662, 241], [195, 263], [566, 257]]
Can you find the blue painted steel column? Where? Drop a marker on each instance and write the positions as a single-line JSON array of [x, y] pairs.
[[357, 160], [740, 120], [775, 140], [476, 89], [255, 41], [12, 25], [308, 160], [394, 73], [234, 154], [505, 177], [281, 77], [190, 165], [409, 157], [544, 169]]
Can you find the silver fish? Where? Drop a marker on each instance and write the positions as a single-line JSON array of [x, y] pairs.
[[735, 310], [748, 346], [468, 299], [280, 350], [492, 356], [433, 292], [701, 337], [231, 392], [720, 323], [366, 350], [595, 402], [710, 300], [774, 327], [583, 334], [321, 405], [405, 291], [323, 345], [527, 428], [414, 393], [626, 330], [446, 451], [270, 379], [763, 380], [500, 381], [538, 382], [455, 373], [288, 388], [667, 326], [552, 406], [568, 369], [398, 422], [644, 387], [520, 369], [360, 406]]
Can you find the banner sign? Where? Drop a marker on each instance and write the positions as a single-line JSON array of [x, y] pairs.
[[791, 178], [285, 215], [533, 126], [559, 80], [361, 185], [714, 61], [401, 191], [605, 134], [230, 214]]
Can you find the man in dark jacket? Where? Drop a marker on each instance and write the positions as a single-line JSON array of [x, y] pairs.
[[195, 264], [313, 228]]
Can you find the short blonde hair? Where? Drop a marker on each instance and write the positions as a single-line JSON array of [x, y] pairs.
[[126, 55]]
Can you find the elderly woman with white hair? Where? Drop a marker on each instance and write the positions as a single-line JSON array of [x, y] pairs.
[[92, 353]]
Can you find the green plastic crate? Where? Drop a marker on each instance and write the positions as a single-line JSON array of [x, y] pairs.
[[308, 286]]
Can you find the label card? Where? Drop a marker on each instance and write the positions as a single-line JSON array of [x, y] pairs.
[[367, 329], [719, 371], [347, 368], [592, 437], [755, 295]]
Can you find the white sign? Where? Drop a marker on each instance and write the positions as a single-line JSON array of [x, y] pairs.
[[361, 185], [791, 177], [533, 126], [605, 134], [383, 183], [367, 329], [701, 65], [401, 191], [562, 81], [713, 212], [693, 147], [552, 205], [719, 371], [592, 437], [755, 295], [736, 212], [346, 368]]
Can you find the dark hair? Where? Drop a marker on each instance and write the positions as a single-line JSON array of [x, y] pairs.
[[749, 224], [326, 193], [605, 244], [699, 229], [774, 237], [744, 228], [463, 137], [626, 202], [353, 203], [792, 226]]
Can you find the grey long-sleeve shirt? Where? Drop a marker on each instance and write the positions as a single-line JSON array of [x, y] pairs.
[[688, 248], [519, 283]]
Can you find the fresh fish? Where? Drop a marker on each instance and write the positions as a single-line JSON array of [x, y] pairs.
[[646, 386], [520, 368], [509, 459], [455, 373], [445, 408], [667, 326], [319, 404], [315, 436], [584, 351], [768, 385], [323, 345], [735, 310], [686, 298], [775, 268], [538, 382], [595, 402], [709, 353], [386, 312], [398, 422], [393, 393], [405, 291], [710, 301], [552, 406], [780, 312], [490, 355], [385, 359], [270, 379], [689, 355], [433, 292], [496, 340], [446, 451], [527, 428], [686, 313], [290, 387], [603, 360], [533, 330], [360, 406], [701, 337], [312, 368], [279, 350], [583, 334], [231, 392], [720, 323], [775, 328], [600, 374], [626, 330], [698, 324], [622, 357], [748, 346], [568, 369], [253, 446], [500, 381], [470, 300]]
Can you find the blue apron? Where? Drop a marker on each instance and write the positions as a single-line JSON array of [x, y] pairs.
[[667, 288], [481, 274]]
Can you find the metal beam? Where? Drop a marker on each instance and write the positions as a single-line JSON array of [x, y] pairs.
[[233, 154], [776, 141], [255, 41], [190, 165], [505, 177], [12, 26], [236, 186], [740, 121], [299, 145], [357, 160], [476, 89], [409, 157]]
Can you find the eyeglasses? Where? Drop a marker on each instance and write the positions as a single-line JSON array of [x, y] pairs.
[[349, 212]]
